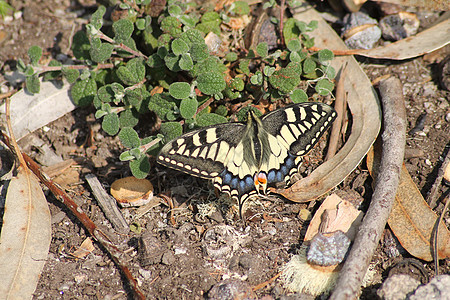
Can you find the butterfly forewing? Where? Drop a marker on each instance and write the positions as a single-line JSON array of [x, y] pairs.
[[299, 126]]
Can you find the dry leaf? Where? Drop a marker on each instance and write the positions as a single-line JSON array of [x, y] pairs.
[[427, 4], [341, 214], [25, 237], [412, 221], [30, 112], [365, 111], [85, 248], [131, 191]]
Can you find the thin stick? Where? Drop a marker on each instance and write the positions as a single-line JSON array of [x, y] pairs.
[[369, 234], [433, 194], [435, 238], [339, 106]]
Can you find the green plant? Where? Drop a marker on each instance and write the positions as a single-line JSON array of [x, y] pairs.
[[124, 63]]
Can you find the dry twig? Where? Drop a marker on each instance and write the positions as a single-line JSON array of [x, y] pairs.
[[340, 106], [433, 194], [369, 234]]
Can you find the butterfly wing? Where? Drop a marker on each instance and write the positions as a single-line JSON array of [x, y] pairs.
[[204, 152], [293, 132]]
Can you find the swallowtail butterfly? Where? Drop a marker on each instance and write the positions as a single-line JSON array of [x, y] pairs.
[[243, 157]]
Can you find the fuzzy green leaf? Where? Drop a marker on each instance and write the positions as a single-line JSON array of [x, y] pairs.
[[294, 45], [140, 167], [210, 119], [161, 104], [262, 49], [84, 91], [70, 74], [126, 156], [325, 55], [285, 80], [97, 17], [290, 30], [171, 130], [185, 62], [324, 87], [175, 10], [179, 47], [244, 66], [129, 138], [309, 66], [35, 54], [133, 72], [123, 29], [110, 123], [240, 8], [128, 118], [199, 51], [188, 108], [211, 83], [81, 45], [237, 83], [111, 92], [231, 56], [299, 96], [192, 36], [180, 90], [172, 62], [172, 26], [33, 84], [100, 53]]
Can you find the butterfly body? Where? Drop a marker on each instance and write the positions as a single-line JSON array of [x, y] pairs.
[[243, 158]]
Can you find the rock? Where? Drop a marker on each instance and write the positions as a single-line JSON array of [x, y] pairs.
[[397, 287], [168, 258], [437, 288], [360, 31], [231, 289], [399, 26]]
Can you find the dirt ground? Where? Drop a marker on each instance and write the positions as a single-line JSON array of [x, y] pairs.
[[181, 265]]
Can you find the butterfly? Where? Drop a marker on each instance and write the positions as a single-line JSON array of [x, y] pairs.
[[242, 158]]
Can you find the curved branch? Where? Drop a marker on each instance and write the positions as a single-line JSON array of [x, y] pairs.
[[386, 183]]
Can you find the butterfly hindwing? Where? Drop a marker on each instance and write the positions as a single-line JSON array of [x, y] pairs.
[[202, 152]]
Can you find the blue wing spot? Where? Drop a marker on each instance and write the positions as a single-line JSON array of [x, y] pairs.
[[271, 176], [249, 181], [242, 186], [284, 170], [234, 183], [289, 163], [226, 178], [279, 176]]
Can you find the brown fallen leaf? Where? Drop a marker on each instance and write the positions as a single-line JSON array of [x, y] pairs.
[[411, 219], [85, 248], [25, 238], [341, 215]]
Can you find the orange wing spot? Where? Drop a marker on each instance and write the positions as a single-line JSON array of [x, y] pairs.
[[262, 178]]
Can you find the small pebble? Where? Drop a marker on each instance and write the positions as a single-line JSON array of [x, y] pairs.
[[397, 287], [168, 258], [399, 26], [360, 31], [146, 274]]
